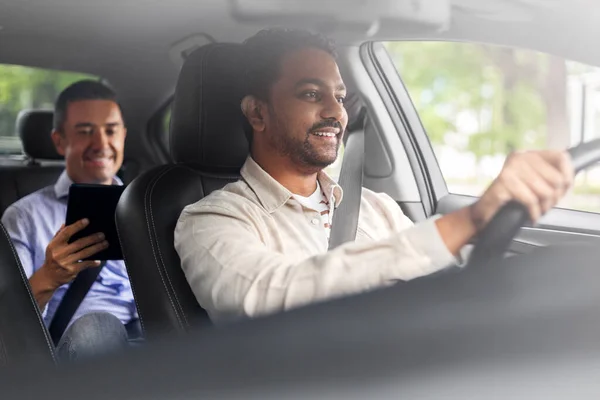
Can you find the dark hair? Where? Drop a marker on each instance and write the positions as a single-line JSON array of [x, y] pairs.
[[266, 49], [79, 91]]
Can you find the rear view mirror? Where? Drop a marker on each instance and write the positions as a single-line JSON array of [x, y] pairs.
[[363, 14]]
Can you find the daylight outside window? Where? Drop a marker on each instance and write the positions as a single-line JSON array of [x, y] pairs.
[[26, 88], [479, 102]]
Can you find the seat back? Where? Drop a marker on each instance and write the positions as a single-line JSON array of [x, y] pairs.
[[43, 164], [209, 146], [23, 335]]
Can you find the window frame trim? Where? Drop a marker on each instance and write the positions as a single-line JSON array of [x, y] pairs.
[[387, 79]]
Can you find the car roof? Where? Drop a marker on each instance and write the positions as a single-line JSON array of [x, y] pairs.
[[128, 42]]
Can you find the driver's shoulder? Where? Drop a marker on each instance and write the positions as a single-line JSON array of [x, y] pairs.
[[233, 198]]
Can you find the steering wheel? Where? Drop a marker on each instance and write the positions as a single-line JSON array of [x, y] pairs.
[[495, 238]]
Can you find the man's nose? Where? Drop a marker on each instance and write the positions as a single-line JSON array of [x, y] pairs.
[[100, 139], [333, 109]]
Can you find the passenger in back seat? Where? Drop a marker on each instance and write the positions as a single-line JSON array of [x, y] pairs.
[[260, 245], [89, 131]]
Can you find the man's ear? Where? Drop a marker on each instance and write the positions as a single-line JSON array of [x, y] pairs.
[[254, 109], [59, 142]]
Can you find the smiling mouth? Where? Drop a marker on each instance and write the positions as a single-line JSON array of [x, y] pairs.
[[325, 134], [100, 161]]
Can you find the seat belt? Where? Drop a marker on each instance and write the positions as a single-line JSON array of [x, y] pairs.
[[345, 217], [72, 300]]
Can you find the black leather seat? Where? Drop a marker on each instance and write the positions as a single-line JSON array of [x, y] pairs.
[[23, 335], [209, 146], [42, 167]]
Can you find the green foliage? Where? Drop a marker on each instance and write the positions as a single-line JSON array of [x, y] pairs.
[[26, 87], [499, 90]]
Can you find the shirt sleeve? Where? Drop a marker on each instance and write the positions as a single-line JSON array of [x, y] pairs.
[[233, 274], [18, 227]]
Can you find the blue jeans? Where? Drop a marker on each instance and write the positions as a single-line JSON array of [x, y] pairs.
[[96, 334]]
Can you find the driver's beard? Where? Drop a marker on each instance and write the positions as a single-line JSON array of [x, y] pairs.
[[300, 152]]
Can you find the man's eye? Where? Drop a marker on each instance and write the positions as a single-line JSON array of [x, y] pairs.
[[110, 132], [311, 94], [341, 100]]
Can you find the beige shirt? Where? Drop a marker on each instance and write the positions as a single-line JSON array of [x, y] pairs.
[[252, 249]]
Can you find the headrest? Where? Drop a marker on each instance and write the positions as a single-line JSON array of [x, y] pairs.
[[34, 128], [207, 124]]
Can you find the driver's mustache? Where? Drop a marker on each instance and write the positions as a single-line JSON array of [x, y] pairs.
[[326, 124]]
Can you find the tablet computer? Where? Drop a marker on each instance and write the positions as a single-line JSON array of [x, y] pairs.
[[98, 204]]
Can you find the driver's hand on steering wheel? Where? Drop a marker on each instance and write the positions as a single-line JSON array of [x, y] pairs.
[[538, 179]]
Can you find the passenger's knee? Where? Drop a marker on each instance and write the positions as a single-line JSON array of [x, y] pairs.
[[92, 335]]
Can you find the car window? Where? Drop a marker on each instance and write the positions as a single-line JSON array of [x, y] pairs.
[[479, 102], [24, 88]]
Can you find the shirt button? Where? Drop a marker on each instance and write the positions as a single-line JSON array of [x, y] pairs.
[[315, 221]]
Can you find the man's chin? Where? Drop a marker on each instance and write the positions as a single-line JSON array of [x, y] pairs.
[[316, 160], [319, 163]]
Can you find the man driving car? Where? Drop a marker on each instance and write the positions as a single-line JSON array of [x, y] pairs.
[[260, 245], [89, 132]]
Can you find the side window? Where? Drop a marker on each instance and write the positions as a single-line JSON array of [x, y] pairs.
[[479, 102], [25, 88]]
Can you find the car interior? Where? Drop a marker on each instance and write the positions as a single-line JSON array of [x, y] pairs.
[[178, 69]]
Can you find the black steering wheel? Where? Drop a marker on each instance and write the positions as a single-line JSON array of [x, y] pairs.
[[495, 238]]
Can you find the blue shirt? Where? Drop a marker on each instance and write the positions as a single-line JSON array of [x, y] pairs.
[[33, 221]]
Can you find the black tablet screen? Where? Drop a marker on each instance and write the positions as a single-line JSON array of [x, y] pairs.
[[97, 203]]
